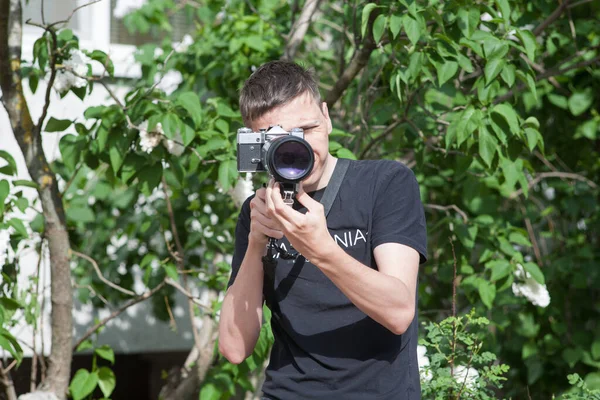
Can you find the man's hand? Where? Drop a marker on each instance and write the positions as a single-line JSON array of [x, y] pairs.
[[261, 225], [308, 232]]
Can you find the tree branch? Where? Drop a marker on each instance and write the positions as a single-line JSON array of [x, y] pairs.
[[553, 17], [299, 28], [99, 273], [447, 208], [13, 100], [547, 74], [545, 175], [7, 382], [359, 60], [116, 313]]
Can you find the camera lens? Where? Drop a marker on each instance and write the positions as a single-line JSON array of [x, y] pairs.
[[290, 159]]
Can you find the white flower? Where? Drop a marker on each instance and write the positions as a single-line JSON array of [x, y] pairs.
[[174, 145], [4, 245], [536, 293], [169, 81], [242, 190], [38, 396], [185, 43], [423, 362], [581, 225], [196, 226], [467, 375], [214, 218], [124, 7], [149, 140], [91, 200], [76, 67]]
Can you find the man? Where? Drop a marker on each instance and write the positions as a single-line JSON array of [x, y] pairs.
[[344, 311]]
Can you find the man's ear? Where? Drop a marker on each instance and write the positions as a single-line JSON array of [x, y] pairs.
[[325, 111]]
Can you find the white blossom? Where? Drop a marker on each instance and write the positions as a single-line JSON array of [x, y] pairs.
[[581, 225], [75, 65], [149, 140], [196, 226], [242, 190], [91, 200], [4, 245], [467, 375], [535, 292], [169, 81], [423, 363], [38, 396], [185, 43], [174, 146], [214, 219], [124, 7], [550, 193]]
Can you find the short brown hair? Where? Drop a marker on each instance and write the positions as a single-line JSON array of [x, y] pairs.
[[274, 84]]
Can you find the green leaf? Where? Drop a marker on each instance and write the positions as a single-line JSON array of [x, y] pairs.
[[572, 355], [412, 28], [85, 345], [191, 103], [170, 124], [529, 42], [255, 42], [415, 64], [19, 227], [500, 269], [106, 353], [10, 304], [222, 125], [71, 149], [529, 349], [487, 292], [9, 343], [25, 182], [83, 384], [592, 381], [210, 391], [80, 214], [366, 13], [535, 272], [12, 165], [103, 59], [345, 153], [446, 71], [4, 191], [227, 173], [379, 27], [519, 238], [171, 271], [149, 178], [487, 146], [558, 100], [57, 125], [579, 102], [508, 74], [531, 135], [596, 350], [492, 68], [589, 129], [505, 10], [395, 25], [509, 115], [107, 381], [467, 20]]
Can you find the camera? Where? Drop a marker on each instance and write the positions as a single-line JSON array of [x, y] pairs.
[[286, 156]]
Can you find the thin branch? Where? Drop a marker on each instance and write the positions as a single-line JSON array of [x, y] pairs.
[[544, 175], [7, 382], [116, 313], [579, 3], [190, 296], [299, 28], [66, 21], [38, 129], [447, 208], [99, 273], [33, 376], [532, 238], [381, 136], [553, 17], [548, 74]]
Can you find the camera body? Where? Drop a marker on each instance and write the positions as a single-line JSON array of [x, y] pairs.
[[252, 147]]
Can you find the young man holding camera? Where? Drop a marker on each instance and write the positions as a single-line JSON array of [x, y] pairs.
[[344, 309]]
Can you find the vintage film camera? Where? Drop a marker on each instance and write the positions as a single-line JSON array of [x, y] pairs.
[[286, 156]]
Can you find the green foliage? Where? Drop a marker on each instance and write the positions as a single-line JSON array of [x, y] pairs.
[[506, 159], [85, 382], [458, 368]]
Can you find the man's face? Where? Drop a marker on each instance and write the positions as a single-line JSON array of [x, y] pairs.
[[303, 112]]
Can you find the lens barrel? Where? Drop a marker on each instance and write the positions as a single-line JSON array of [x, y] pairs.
[[289, 159]]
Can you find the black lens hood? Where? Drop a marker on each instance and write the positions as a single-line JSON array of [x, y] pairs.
[[269, 158]]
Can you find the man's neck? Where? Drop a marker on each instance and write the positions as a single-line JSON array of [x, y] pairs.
[[327, 173]]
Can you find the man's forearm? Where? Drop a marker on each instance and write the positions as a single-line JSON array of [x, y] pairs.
[[384, 298], [241, 312]]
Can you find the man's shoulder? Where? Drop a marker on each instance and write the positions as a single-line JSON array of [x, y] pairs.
[[380, 168]]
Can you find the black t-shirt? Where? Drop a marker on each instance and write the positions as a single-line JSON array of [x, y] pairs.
[[325, 347]]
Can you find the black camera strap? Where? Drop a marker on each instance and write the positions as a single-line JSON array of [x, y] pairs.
[[331, 191]]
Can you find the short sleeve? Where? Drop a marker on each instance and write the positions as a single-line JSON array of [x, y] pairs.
[[398, 215], [242, 230]]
